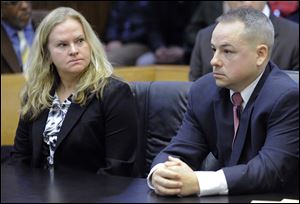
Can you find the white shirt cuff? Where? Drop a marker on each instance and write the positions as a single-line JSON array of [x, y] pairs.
[[212, 183]]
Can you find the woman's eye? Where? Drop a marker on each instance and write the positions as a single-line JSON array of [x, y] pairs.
[[79, 42], [61, 45]]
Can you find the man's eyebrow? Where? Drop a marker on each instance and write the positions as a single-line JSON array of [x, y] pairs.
[[226, 45]]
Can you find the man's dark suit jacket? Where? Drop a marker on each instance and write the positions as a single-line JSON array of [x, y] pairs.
[[285, 52], [100, 136], [265, 155], [9, 59]]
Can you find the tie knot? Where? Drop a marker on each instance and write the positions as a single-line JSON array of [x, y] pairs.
[[237, 99]]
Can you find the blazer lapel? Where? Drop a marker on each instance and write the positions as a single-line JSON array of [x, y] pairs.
[[73, 115], [38, 128]]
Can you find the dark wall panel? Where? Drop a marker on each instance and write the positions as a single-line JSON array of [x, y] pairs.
[[96, 12]]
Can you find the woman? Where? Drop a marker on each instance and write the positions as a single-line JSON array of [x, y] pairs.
[[74, 113]]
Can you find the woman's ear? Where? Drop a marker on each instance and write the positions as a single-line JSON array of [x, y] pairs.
[[262, 52]]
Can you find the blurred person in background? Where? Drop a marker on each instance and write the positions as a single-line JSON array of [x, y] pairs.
[[17, 33], [126, 32], [205, 15], [166, 34], [74, 113], [285, 52], [285, 9]]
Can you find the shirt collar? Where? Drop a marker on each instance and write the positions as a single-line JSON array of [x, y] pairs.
[[56, 101], [11, 31], [266, 11], [246, 93]]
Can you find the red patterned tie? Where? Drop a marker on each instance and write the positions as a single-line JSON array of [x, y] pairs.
[[237, 108]]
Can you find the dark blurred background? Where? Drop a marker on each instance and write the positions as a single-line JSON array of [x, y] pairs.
[[96, 12]]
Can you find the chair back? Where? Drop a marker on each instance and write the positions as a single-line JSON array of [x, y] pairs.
[[161, 106]]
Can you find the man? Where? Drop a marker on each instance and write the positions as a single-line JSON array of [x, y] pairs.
[[285, 52], [166, 32], [258, 149], [15, 17], [126, 32]]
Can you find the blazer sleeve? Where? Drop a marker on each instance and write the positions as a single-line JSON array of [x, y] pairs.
[[21, 152], [120, 117]]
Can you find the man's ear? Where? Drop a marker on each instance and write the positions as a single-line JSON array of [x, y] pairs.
[[262, 52]]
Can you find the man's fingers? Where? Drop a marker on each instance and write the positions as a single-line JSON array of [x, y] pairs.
[[160, 190], [174, 159], [166, 173], [166, 183], [171, 163]]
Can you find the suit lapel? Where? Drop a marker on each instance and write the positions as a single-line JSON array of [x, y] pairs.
[[239, 143], [73, 115], [245, 121]]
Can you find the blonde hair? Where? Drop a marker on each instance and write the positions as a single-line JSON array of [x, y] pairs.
[[41, 76]]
